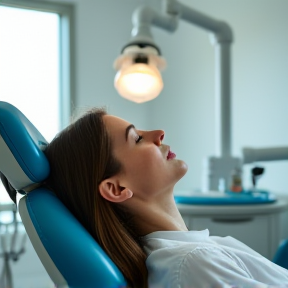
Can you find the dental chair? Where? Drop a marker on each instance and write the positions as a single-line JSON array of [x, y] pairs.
[[68, 252]]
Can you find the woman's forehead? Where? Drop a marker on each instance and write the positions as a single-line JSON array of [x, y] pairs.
[[115, 126], [111, 120]]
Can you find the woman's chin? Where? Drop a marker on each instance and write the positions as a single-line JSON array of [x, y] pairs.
[[182, 169]]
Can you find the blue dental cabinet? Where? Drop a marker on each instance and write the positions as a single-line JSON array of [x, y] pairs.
[[260, 225]]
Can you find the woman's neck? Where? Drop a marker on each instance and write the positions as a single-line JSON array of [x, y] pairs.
[[160, 215]]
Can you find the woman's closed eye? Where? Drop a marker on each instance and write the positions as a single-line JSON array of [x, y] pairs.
[[138, 138]]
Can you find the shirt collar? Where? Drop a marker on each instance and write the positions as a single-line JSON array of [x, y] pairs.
[[183, 236], [165, 239]]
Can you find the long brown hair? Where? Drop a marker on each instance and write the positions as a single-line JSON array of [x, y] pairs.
[[80, 158]]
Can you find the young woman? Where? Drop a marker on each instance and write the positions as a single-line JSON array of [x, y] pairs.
[[118, 181]]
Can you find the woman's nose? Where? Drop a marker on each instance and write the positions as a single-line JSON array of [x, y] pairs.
[[159, 136]]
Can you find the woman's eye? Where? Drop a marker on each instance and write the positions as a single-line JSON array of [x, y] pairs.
[[139, 138]]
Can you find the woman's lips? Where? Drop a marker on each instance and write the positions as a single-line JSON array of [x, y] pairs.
[[171, 155]]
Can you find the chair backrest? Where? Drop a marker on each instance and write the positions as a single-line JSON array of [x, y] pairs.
[[68, 252]]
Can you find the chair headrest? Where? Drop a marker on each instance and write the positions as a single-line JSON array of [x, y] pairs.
[[22, 162]]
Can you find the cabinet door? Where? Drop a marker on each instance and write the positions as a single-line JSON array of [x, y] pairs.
[[253, 231]]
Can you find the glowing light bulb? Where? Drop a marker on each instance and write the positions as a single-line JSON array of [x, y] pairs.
[[139, 82]]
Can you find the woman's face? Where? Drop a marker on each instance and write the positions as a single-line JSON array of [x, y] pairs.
[[149, 167]]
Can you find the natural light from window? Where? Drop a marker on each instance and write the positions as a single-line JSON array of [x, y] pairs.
[[29, 68]]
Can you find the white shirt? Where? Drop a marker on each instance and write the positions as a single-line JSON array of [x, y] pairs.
[[194, 259]]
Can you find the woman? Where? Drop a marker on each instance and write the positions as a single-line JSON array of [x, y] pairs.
[[118, 181]]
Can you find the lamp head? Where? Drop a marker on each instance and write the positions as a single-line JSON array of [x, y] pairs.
[[138, 78]]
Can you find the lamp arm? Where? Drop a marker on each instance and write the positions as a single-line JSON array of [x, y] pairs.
[[251, 155], [221, 30], [144, 17]]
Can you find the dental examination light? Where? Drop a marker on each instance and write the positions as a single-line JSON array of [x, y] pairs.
[[138, 78]]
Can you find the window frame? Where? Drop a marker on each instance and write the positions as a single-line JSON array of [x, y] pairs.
[[66, 50]]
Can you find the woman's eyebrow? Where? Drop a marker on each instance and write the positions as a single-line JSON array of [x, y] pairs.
[[128, 129]]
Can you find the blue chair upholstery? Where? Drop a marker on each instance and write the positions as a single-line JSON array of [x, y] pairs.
[[281, 256], [68, 252]]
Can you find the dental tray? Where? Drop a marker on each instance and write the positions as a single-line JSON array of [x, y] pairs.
[[226, 198]]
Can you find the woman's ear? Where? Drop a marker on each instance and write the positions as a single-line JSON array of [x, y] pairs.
[[111, 191]]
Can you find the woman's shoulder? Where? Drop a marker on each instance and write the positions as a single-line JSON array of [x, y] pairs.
[[189, 252], [191, 264], [164, 264]]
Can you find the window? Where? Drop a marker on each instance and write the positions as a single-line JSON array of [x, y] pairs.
[[35, 64]]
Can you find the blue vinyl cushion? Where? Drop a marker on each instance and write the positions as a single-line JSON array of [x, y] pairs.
[[77, 256], [281, 256], [24, 141]]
